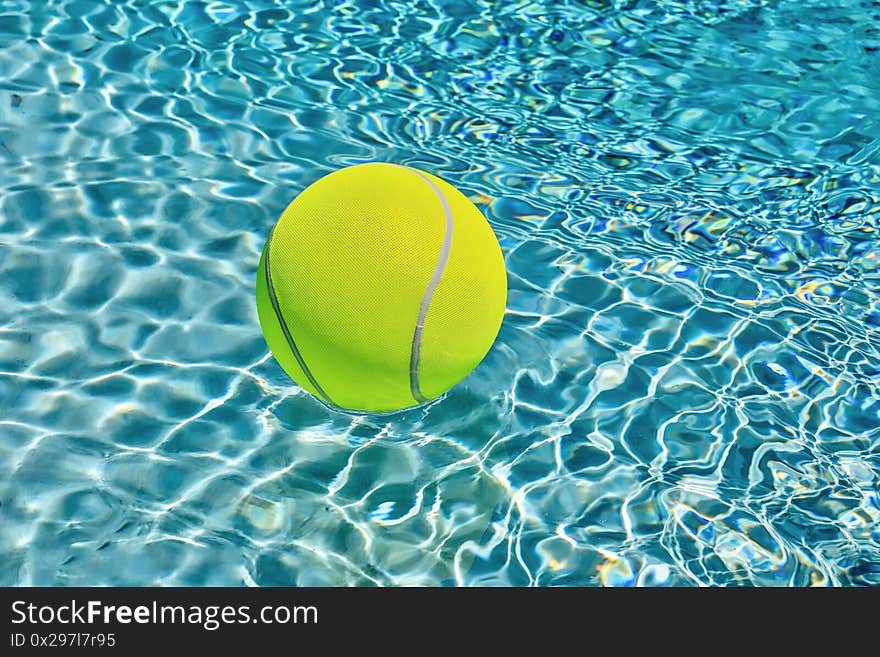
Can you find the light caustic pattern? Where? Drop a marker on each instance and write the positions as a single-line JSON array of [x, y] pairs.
[[686, 388]]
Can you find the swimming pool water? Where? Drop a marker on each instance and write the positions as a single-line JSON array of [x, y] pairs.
[[686, 387]]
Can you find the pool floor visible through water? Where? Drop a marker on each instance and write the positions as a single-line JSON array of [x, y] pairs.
[[686, 386]]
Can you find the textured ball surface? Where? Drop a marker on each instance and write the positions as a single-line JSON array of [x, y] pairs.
[[380, 287]]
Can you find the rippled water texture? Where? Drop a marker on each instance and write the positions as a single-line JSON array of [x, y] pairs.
[[686, 387]]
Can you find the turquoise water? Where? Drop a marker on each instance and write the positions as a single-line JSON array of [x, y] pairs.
[[686, 386]]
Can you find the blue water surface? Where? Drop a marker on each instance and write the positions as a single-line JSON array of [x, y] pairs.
[[686, 386]]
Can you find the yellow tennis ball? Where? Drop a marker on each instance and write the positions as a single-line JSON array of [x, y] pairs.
[[380, 287]]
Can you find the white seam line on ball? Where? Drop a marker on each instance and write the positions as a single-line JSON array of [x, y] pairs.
[[416, 354], [276, 307]]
